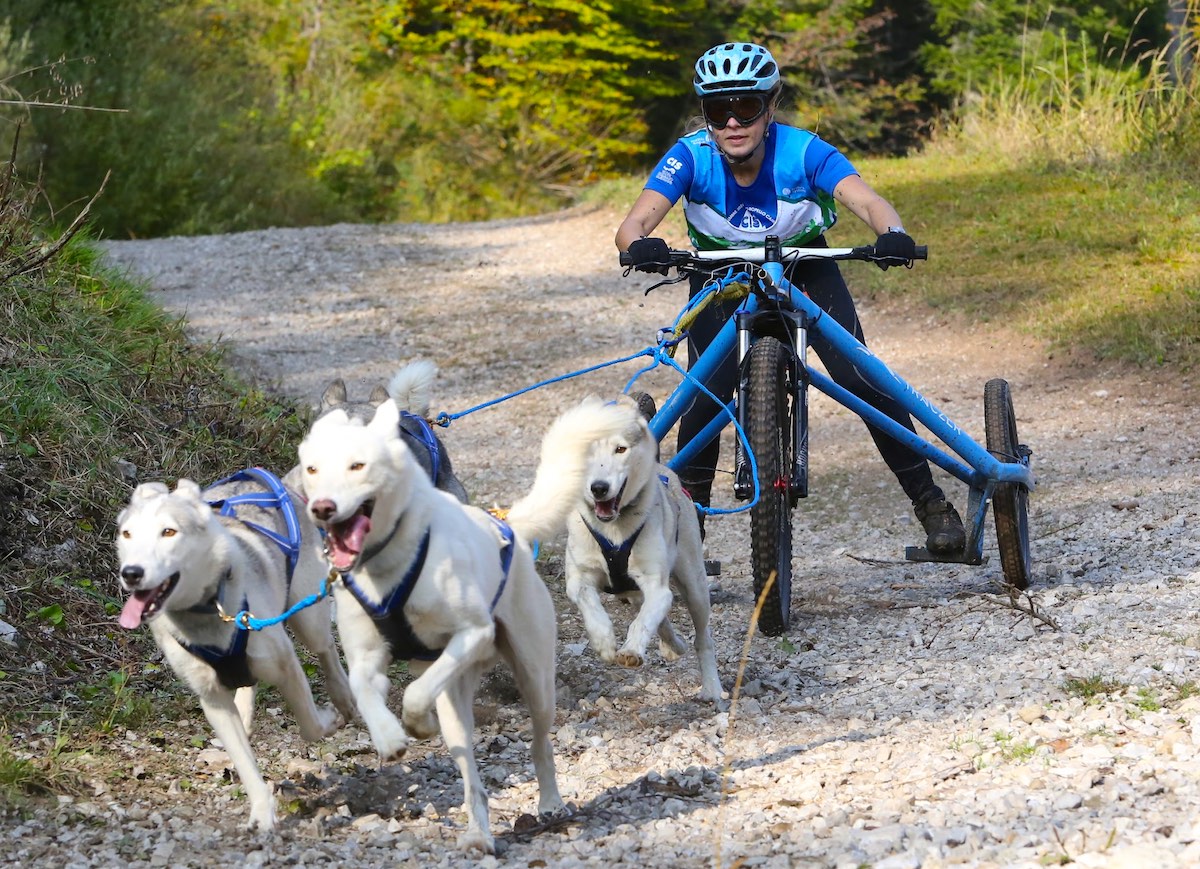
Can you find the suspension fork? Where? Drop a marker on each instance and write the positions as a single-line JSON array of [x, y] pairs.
[[791, 328]]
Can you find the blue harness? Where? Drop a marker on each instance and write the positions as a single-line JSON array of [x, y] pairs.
[[428, 439], [231, 663], [616, 557], [389, 613]]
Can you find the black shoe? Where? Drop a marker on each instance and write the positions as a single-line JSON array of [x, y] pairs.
[[712, 567], [943, 525]]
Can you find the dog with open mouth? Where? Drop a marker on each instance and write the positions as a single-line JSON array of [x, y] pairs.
[[634, 533], [441, 584], [411, 387], [191, 558]]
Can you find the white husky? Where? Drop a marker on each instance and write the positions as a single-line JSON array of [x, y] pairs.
[[185, 563], [440, 583], [634, 533]]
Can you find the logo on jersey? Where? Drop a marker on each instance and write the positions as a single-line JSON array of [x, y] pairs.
[[667, 173], [751, 219]]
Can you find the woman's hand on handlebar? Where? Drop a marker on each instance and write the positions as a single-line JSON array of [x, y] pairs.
[[894, 248], [649, 255]]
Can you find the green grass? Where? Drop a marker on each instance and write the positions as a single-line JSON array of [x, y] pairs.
[[101, 389], [1092, 689]]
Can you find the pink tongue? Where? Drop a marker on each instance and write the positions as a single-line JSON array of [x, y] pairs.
[[606, 509], [131, 615], [346, 543]]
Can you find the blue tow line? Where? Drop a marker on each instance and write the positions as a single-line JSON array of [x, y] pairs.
[[660, 354]]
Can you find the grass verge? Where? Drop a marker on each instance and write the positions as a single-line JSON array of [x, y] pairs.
[[101, 391]]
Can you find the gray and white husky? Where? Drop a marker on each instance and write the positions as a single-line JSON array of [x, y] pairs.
[[411, 388], [633, 533], [187, 558], [440, 583]]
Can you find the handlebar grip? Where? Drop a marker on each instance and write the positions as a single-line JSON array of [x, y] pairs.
[[626, 259], [921, 251]]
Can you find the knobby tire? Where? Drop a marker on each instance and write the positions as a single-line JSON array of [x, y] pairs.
[[1010, 501], [769, 430]]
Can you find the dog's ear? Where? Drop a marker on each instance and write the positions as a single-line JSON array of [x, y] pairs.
[[148, 490], [379, 395], [188, 488], [386, 421], [334, 395]]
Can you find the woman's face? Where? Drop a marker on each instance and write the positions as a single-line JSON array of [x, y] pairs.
[[738, 123], [737, 141]]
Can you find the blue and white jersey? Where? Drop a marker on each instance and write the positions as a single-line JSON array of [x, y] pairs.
[[792, 197]]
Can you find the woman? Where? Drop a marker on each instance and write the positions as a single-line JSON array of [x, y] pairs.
[[744, 177]]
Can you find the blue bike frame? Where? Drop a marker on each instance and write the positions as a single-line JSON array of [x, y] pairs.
[[970, 463]]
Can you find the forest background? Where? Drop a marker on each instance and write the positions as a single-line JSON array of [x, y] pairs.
[[218, 117]]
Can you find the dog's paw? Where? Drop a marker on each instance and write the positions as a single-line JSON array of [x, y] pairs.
[[669, 652], [328, 721], [628, 658], [392, 744], [477, 840], [421, 725], [553, 807], [262, 817]]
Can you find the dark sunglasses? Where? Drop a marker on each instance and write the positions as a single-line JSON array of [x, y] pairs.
[[747, 110]]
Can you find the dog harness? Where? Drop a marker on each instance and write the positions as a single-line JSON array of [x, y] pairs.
[[389, 614], [616, 556], [427, 439], [232, 664], [275, 498]]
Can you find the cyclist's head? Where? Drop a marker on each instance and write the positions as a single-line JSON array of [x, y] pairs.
[[736, 69]]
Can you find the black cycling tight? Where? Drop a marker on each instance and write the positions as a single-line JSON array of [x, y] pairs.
[[824, 284]]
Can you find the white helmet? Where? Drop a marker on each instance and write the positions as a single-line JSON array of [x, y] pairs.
[[735, 68]]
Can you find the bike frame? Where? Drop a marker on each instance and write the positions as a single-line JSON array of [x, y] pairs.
[[961, 456]]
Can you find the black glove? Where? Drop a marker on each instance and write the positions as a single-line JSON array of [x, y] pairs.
[[650, 255], [896, 248]]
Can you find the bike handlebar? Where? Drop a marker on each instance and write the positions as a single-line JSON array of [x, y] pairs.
[[678, 258]]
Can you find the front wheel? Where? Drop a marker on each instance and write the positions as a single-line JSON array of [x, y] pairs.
[[1010, 501], [770, 378]]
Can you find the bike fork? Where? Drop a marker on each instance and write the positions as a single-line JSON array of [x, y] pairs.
[[798, 487], [797, 339]]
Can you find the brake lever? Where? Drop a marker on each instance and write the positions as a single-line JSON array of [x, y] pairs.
[[654, 287]]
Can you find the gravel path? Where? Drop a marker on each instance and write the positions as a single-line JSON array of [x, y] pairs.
[[913, 718]]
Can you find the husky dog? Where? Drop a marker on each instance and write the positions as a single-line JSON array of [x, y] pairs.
[[635, 534], [439, 583], [410, 386], [187, 558]]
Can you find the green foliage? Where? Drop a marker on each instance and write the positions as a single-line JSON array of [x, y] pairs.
[[25, 773], [220, 117], [976, 42], [169, 99]]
